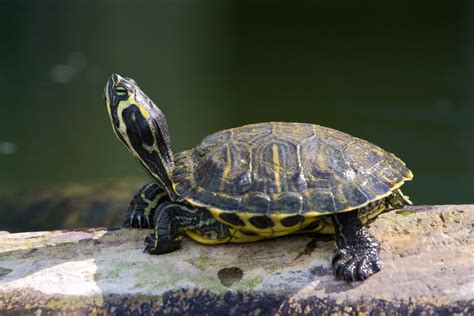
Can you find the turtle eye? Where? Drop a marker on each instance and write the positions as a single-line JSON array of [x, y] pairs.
[[121, 91]]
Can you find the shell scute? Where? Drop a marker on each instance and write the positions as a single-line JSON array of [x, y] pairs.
[[294, 135], [251, 134], [213, 140], [321, 201], [298, 182], [354, 195], [375, 185], [286, 203], [256, 202], [273, 164], [243, 182], [338, 140], [286, 168]]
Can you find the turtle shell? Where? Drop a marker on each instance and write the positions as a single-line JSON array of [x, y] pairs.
[[289, 169]]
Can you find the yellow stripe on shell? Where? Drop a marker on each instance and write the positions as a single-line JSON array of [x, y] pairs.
[[227, 167], [276, 167]]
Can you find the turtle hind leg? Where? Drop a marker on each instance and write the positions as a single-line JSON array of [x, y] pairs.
[[171, 218], [357, 256], [141, 211]]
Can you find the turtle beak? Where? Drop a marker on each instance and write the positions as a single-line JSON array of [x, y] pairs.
[[115, 78], [113, 82]]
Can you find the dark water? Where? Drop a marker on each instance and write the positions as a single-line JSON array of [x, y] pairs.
[[399, 76]]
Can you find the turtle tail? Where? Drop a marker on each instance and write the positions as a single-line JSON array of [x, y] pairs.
[[398, 200]]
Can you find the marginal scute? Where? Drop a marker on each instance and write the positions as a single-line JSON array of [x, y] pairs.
[[320, 201], [229, 201], [353, 195], [375, 185], [256, 202], [386, 175], [391, 174], [286, 202], [286, 168], [361, 156], [401, 169]]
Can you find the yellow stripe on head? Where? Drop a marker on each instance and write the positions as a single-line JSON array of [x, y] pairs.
[[141, 126]]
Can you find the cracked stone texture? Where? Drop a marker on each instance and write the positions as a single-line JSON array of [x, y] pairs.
[[428, 254]]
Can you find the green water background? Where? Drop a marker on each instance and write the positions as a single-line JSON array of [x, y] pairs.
[[399, 75]]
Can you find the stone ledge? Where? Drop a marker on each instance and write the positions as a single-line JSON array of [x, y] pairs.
[[428, 254]]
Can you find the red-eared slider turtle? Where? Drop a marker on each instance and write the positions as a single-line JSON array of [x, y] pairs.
[[256, 181]]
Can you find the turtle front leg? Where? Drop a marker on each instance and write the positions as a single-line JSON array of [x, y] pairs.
[[141, 211], [358, 255], [171, 218]]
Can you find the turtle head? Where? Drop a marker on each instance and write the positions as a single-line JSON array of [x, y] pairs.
[[141, 126]]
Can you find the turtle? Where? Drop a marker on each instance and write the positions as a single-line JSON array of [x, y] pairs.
[[255, 182]]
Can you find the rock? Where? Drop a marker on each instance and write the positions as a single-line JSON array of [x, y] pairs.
[[428, 254]]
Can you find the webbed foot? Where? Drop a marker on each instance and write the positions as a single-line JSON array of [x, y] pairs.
[[155, 247], [356, 264], [173, 218], [141, 212]]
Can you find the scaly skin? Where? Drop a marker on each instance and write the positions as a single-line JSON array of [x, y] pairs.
[[171, 218], [357, 256], [141, 211]]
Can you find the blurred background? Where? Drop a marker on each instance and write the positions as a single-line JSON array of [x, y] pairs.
[[400, 75]]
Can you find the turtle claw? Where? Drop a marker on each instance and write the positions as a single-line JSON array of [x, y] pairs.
[[137, 219], [155, 247], [356, 265]]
